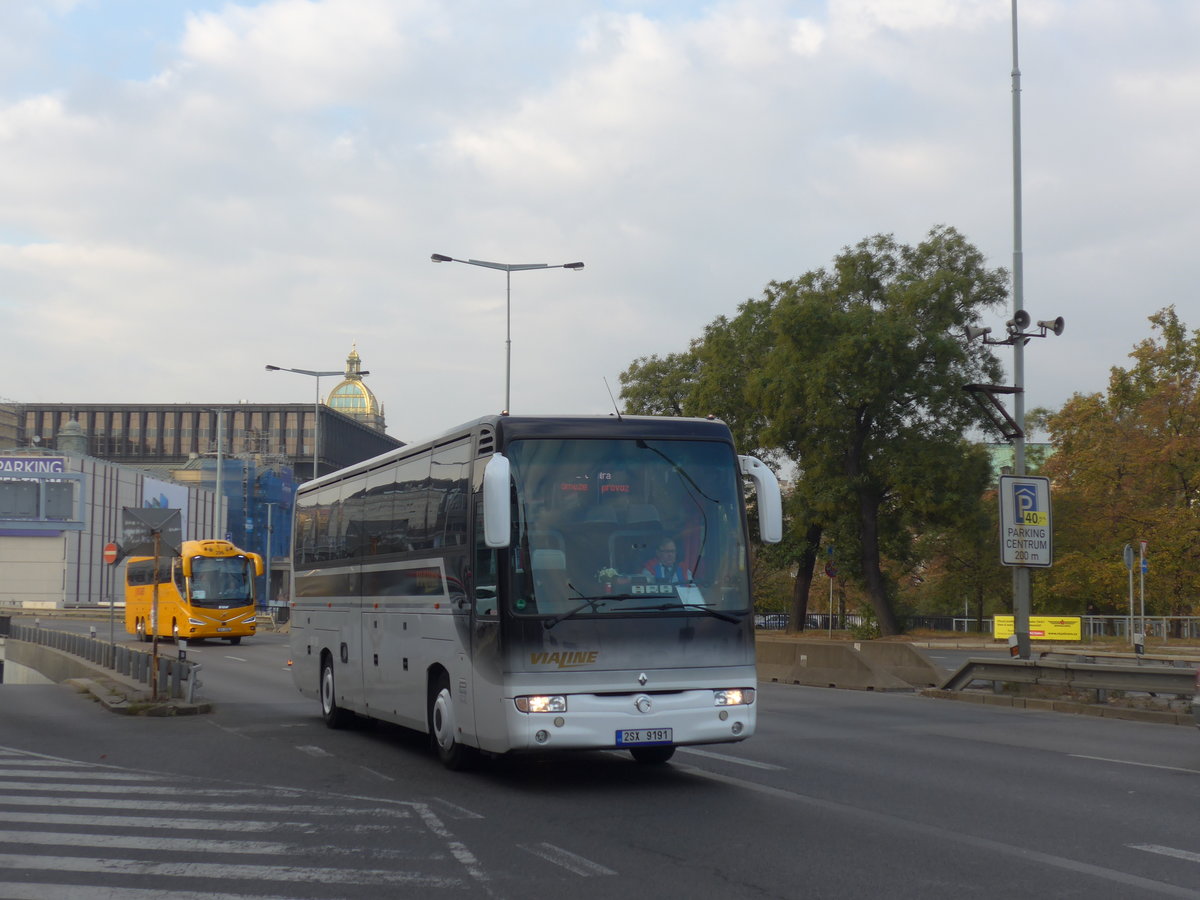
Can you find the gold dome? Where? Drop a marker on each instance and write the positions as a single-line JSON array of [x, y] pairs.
[[354, 398]]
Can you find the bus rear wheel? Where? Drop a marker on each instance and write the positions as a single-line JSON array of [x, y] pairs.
[[334, 715], [443, 733], [652, 755]]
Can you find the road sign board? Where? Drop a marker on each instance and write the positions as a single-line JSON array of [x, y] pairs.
[[138, 527], [1026, 535], [112, 553]]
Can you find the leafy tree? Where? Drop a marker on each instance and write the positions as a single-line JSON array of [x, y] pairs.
[[1126, 468], [854, 375]]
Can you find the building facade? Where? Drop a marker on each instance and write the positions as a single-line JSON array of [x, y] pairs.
[[52, 553]]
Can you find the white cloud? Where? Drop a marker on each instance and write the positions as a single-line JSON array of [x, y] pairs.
[[276, 175]]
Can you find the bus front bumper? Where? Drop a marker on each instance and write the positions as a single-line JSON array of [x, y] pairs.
[[625, 721]]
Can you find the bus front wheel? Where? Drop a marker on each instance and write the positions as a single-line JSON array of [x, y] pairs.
[[334, 715], [443, 732]]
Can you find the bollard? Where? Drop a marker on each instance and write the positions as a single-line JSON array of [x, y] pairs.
[[193, 682]]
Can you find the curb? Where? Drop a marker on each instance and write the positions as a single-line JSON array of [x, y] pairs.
[[123, 700], [1159, 717]]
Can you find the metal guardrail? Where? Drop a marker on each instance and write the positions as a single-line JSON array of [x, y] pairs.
[[1161, 676], [176, 677]]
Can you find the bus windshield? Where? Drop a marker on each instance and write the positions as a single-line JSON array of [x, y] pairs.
[[626, 526], [221, 581]]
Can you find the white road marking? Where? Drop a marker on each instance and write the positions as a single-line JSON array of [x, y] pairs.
[[1129, 762], [162, 823], [456, 811], [948, 837], [1189, 855], [572, 862], [733, 759], [223, 870], [313, 750], [14, 890], [141, 842]]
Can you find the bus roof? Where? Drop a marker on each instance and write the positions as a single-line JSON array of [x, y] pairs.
[[514, 428]]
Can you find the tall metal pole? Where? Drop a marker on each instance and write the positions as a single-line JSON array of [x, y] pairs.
[[154, 619], [1021, 591], [220, 513], [267, 601], [508, 269], [507, 340], [317, 424]]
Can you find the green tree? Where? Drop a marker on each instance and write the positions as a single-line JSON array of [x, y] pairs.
[[854, 375], [1126, 468]]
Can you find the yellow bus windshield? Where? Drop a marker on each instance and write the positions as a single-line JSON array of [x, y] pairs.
[[221, 582]]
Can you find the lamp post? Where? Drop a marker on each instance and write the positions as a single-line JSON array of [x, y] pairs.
[[508, 269], [316, 406]]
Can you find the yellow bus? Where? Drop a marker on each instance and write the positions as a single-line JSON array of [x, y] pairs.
[[205, 592]]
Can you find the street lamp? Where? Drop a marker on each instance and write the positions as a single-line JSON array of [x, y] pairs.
[[317, 406], [508, 269]]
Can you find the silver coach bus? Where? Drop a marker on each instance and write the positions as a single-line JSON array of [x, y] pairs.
[[537, 583]]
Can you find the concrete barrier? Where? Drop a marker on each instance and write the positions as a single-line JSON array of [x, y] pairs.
[[908, 663], [823, 664]]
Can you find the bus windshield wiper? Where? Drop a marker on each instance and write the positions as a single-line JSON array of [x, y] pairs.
[[669, 607], [594, 602]]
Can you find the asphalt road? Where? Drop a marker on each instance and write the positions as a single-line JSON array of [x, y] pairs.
[[840, 794]]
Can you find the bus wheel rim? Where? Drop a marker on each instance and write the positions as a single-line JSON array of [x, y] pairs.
[[443, 720]]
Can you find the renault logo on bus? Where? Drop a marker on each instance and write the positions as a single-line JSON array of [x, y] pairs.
[[643, 703]]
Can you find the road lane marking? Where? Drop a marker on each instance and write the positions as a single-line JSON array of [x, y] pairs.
[[1167, 851], [949, 836], [1129, 762], [15, 890], [733, 759], [572, 862], [225, 871], [141, 842], [157, 822], [456, 811]]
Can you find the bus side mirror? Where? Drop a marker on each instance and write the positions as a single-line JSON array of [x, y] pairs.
[[186, 566], [497, 502], [258, 563], [770, 505]]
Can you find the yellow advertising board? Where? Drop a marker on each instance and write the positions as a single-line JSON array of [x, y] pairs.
[[1041, 628]]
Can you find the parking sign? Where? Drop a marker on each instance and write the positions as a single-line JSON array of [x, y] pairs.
[[1026, 537]]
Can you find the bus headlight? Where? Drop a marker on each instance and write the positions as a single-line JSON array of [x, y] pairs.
[[195, 622], [733, 697], [555, 703]]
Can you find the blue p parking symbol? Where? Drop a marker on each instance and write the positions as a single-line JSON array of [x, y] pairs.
[[1025, 505]]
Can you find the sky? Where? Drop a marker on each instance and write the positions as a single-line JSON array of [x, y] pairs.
[[191, 190]]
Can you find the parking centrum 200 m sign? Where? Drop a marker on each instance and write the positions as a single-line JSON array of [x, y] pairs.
[[1026, 537]]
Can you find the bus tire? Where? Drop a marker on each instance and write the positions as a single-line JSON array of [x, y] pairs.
[[334, 715], [652, 756], [234, 641], [443, 733]]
